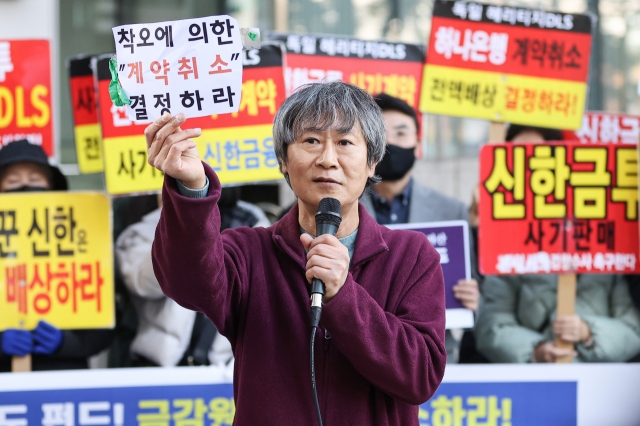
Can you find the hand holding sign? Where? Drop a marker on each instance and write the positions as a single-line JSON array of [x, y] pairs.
[[571, 328], [549, 352], [173, 152]]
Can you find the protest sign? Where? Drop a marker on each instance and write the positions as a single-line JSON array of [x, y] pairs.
[[86, 127], [376, 66], [608, 127], [56, 261], [239, 146], [193, 66], [487, 394], [126, 168], [566, 208], [25, 93], [451, 240], [505, 63]]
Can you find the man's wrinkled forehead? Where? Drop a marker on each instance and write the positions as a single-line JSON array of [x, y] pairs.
[[340, 125]]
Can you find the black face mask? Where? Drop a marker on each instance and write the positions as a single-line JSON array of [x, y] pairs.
[[396, 163], [27, 188]]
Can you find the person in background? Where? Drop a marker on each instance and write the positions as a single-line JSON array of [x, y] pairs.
[[168, 334], [398, 198], [24, 168], [517, 320]]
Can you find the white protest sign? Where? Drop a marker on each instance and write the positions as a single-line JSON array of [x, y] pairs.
[[609, 127], [193, 66]]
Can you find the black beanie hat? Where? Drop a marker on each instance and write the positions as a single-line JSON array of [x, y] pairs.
[[22, 151]]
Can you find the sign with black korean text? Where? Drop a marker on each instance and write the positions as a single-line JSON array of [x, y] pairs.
[[608, 127], [558, 208], [376, 66], [25, 93], [505, 63], [193, 66], [451, 241], [86, 127], [56, 260], [238, 146]]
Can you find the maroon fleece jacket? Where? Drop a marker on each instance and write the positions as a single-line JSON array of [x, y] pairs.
[[380, 348]]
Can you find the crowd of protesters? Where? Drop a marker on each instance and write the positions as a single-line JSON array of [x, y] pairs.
[[515, 316]]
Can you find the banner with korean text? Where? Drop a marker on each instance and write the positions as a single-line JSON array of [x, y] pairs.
[[193, 66], [25, 93], [56, 260], [534, 394], [239, 146], [564, 208], [451, 241], [609, 127], [86, 127], [504, 63], [376, 66]]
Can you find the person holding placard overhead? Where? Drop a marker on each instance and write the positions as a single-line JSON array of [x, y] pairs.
[[24, 168], [381, 351], [517, 319]]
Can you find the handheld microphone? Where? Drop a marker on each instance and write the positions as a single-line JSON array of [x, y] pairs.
[[328, 218]]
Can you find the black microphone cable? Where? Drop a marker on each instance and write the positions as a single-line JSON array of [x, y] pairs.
[[328, 218]]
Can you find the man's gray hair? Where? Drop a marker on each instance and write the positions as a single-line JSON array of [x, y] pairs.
[[323, 106]]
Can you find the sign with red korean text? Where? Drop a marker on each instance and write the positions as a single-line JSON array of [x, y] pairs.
[[376, 66], [56, 260], [25, 93], [238, 146], [504, 63], [558, 208], [86, 127], [609, 128], [193, 66]]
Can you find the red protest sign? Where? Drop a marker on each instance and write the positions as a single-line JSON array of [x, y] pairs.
[[25, 93], [376, 66], [558, 208], [85, 115], [609, 128], [506, 63], [239, 146]]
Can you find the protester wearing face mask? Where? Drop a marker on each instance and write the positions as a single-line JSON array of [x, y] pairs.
[[24, 168], [400, 199]]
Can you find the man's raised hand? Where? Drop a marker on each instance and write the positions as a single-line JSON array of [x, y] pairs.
[[171, 150]]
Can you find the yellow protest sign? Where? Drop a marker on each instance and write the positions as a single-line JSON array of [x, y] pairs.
[[126, 167], [506, 63], [56, 260], [89, 148], [240, 155]]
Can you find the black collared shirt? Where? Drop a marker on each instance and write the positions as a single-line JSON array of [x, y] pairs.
[[396, 211]]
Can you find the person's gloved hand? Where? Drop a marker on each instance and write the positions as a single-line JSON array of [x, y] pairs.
[[17, 342], [47, 338]]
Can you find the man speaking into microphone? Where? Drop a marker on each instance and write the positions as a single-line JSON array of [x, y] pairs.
[[379, 350]]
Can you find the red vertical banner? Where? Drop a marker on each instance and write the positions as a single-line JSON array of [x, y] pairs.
[[86, 126], [558, 208], [25, 93]]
